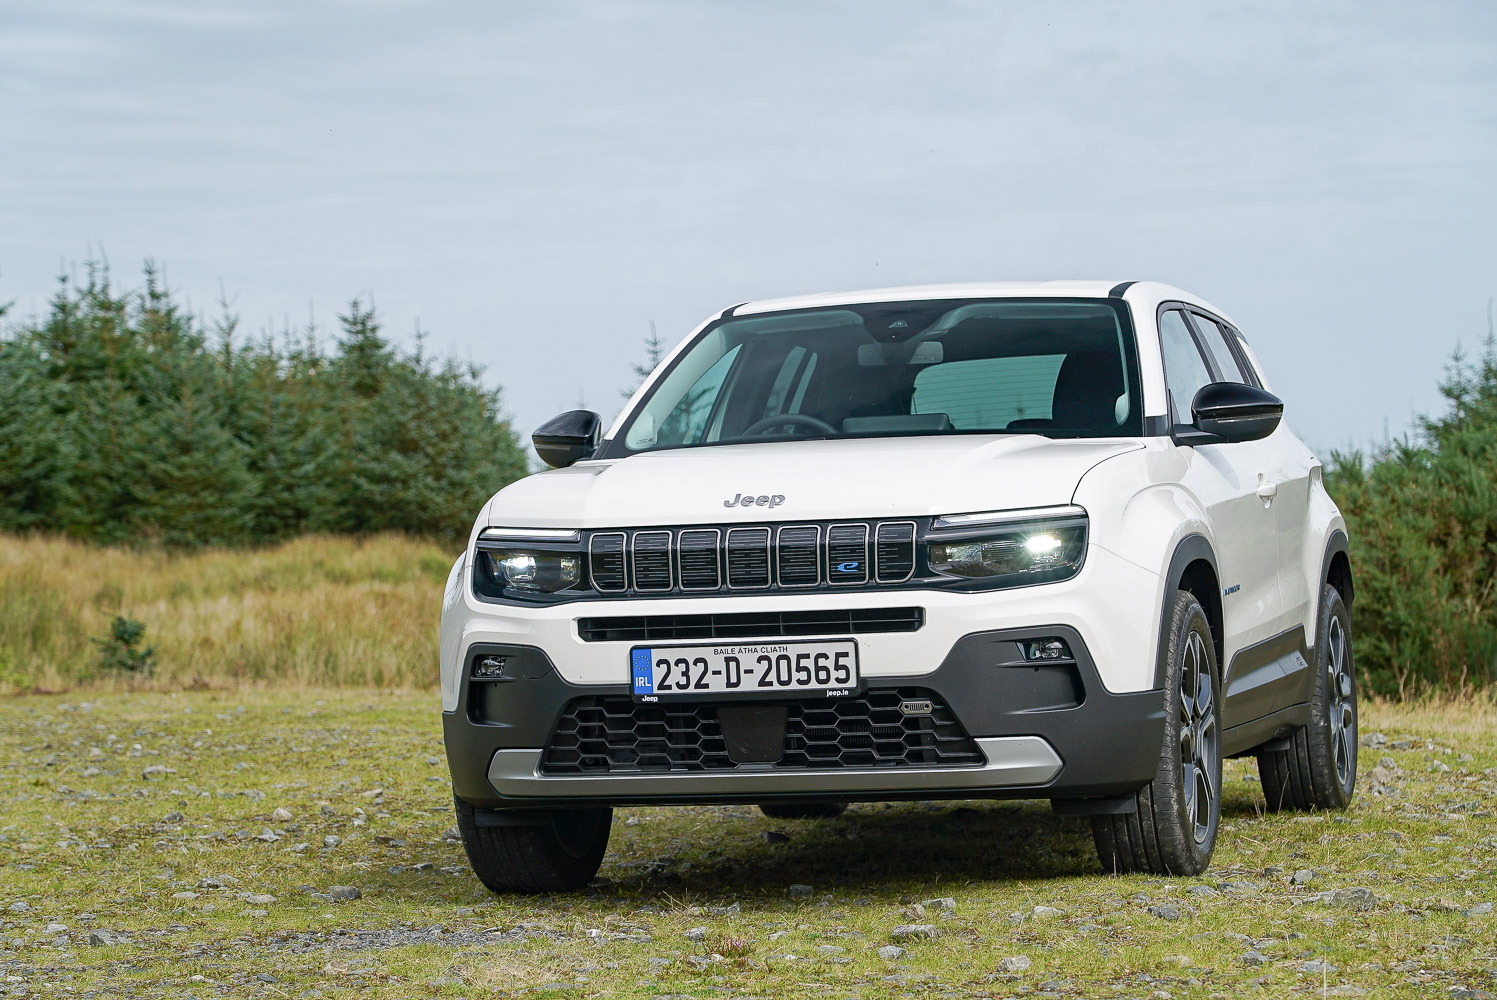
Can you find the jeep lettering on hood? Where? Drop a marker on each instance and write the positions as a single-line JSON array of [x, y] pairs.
[[744, 500], [887, 477]]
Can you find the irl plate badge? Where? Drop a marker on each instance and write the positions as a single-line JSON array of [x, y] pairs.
[[640, 667]]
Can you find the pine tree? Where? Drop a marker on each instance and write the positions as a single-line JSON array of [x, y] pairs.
[[654, 351]]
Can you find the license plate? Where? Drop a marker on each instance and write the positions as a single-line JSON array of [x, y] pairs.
[[759, 668]]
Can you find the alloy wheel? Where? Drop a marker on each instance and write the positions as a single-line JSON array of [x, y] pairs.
[[1199, 739], [1341, 701]]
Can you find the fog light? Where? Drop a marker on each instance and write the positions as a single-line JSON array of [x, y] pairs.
[[490, 667], [1046, 649]]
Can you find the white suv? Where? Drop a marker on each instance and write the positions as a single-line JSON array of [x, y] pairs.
[[1044, 540]]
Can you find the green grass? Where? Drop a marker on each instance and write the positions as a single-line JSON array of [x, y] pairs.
[[89, 843]]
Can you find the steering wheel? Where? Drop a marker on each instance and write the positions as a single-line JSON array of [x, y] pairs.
[[779, 420]]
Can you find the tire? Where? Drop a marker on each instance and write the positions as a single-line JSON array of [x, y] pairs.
[[544, 851], [1318, 769], [803, 810], [1173, 831]]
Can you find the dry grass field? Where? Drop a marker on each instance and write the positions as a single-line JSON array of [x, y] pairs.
[[312, 612]]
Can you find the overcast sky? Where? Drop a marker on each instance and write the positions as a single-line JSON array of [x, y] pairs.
[[534, 183]]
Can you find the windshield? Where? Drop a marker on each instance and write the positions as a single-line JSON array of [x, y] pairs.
[[1056, 367]]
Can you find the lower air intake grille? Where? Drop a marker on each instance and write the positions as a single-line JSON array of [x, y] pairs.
[[614, 734], [750, 625]]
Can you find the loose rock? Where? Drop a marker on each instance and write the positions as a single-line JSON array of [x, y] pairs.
[[799, 891], [1014, 963], [914, 932], [344, 892], [890, 953]]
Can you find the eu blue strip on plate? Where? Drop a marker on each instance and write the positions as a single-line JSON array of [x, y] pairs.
[[640, 667]]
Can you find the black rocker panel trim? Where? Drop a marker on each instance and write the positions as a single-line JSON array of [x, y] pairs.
[[1267, 677]]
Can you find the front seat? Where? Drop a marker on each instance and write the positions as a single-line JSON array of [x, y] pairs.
[[1086, 395]]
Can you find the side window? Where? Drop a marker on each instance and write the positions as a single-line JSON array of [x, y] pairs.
[[1185, 371], [1226, 361], [686, 423]]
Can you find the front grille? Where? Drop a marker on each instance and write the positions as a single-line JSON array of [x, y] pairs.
[[652, 561], [847, 554], [760, 557], [750, 625], [748, 557], [606, 562], [613, 734], [800, 556], [895, 551], [697, 556]]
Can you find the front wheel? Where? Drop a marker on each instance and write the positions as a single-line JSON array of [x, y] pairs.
[[1318, 769], [542, 851], [1173, 828]]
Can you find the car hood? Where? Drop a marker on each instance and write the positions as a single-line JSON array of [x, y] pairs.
[[818, 480]]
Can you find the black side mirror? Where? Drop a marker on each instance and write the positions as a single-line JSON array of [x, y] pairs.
[[568, 438], [1230, 412]]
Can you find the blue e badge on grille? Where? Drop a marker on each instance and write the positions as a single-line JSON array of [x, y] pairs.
[[640, 661]]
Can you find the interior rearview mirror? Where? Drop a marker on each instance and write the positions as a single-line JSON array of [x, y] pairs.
[[567, 438], [1231, 412]]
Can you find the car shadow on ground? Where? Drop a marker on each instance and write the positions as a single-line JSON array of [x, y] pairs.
[[872, 845]]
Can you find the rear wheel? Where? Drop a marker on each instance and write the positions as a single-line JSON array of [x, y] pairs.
[[1173, 829], [803, 810], [542, 851], [1318, 769]]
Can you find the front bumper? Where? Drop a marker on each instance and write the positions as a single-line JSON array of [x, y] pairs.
[[1042, 731]]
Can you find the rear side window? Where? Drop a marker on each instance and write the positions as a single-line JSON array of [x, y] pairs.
[[1185, 371], [1214, 338]]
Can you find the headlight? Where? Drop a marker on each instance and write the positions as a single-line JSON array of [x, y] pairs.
[[1010, 549], [521, 562], [535, 571]]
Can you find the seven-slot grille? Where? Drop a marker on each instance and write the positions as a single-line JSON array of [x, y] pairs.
[[789, 556]]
